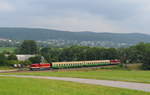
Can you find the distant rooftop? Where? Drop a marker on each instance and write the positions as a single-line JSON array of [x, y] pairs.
[[24, 57]]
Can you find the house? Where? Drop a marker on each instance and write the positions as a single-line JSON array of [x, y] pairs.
[[24, 57]]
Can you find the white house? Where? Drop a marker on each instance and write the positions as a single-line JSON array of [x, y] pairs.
[[24, 57]]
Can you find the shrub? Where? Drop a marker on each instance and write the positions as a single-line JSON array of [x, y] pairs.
[[12, 62], [26, 63]]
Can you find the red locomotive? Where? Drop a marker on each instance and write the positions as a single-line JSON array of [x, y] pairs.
[[40, 66]]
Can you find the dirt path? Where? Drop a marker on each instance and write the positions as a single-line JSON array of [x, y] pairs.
[[128, 85]]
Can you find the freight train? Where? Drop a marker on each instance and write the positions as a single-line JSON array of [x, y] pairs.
[[74, 64]]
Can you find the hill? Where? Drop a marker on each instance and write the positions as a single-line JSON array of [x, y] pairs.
[[48, 34]]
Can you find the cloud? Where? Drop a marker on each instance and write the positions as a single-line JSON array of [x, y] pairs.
[[78, 15], [74, 22], [5, 7]]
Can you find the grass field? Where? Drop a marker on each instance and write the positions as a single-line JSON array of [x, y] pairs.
[[9, 49], [27, 86], [120, 75]]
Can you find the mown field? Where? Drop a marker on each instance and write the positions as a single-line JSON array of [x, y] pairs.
[[9, 49], [27, 86], [117, 75]]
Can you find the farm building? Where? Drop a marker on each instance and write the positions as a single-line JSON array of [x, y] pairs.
[[24, 57]]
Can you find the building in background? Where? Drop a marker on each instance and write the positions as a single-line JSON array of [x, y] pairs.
[[24, 57]]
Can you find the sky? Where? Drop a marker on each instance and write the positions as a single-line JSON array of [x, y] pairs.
[[116, 16]]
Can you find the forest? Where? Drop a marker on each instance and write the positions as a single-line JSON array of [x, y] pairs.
[[135, 54]]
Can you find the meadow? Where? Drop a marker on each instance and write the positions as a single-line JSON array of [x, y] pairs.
[[8, 49], [27, 86], [101, 74]]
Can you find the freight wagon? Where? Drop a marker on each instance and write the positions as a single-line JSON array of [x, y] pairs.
[[73, 64]]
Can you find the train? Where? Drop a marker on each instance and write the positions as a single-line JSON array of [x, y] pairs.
[[73, 64]]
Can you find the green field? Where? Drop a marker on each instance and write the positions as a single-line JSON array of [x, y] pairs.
[[9, 49], [120, 75], [27, 86]]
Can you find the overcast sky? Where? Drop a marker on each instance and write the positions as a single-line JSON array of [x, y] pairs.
[[121, 16]]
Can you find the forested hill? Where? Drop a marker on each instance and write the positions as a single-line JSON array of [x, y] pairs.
[[47, 34]]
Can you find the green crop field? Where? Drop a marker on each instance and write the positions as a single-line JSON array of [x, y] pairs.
[[27, 86], [9, 49], [120, 75]]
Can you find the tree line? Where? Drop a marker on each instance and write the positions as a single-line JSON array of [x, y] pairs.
[[135, 54]]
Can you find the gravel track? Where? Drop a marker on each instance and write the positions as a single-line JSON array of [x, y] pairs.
[[129, 85], [5, 71], [51, 70]]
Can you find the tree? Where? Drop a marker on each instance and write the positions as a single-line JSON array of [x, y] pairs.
[[146, 61], [3, 60], [12, 57], [36, 59], [124, 56], [141, 49], [28, 47], [142, 54], [51, 54], [145, 55]]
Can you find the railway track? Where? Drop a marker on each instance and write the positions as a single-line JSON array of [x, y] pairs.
[[62, 69]]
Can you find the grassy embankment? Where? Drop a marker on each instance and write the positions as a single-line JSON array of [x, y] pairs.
[[27, 86], [117, 75]]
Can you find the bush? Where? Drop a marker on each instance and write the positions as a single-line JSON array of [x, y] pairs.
[[26, 63], [12, 62]]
